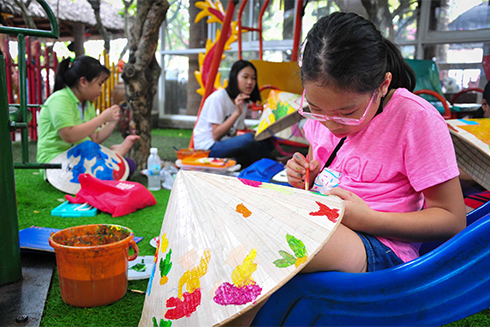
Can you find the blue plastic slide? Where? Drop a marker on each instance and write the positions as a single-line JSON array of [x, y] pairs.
[[446, 284]]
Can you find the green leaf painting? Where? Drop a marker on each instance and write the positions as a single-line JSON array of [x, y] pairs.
[[288, 259], [166, 265], [297, 246]]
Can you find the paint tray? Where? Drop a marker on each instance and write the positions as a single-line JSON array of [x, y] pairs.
[[74, 210], [209, 165]]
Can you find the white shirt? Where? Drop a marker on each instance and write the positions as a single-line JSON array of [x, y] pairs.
[[217, 108]]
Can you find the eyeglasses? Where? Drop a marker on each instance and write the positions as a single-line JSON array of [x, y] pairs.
[[337, 119]]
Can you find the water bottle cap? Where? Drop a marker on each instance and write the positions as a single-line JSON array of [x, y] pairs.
[[153, 150]]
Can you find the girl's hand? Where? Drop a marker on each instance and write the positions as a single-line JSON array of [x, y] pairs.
[[357, 213], [239, 102], [111, 114], [296, 170]]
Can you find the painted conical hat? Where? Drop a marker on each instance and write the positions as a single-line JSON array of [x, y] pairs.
[[228, 243], [86, 158]]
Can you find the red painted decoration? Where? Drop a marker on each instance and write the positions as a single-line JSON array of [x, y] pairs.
[[183, 308], [332, 214]]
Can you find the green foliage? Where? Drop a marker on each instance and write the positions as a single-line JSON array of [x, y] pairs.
[[131, 8], [177, 26]]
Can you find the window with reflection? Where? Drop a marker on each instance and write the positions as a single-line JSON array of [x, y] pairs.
[[459, 15], [458, 63]]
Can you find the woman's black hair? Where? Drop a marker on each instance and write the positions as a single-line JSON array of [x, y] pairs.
[[232, 88], [69, 73], [486, 93], [348, 50]]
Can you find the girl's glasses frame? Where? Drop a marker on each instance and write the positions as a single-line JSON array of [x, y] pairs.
[[337, 119]]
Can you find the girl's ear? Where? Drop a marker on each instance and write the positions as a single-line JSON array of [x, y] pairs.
[[386, 84], [484, 105], [83, 81], [486, 108]]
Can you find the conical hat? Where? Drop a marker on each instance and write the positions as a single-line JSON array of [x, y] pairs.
[[86, 158], [227, 243]]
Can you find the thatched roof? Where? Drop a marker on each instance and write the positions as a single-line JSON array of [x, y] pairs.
[[68, 12]]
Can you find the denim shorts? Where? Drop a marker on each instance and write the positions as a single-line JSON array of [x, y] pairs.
[[379, 256]]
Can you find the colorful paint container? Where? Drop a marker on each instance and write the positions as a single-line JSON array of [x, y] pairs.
[[92, 263]]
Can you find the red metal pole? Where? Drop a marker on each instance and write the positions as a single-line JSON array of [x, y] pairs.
[[240, 11], [46, 69], [298, 22], [38, 84], [216, 59], [261, 41], [30, 82], [8, 70]]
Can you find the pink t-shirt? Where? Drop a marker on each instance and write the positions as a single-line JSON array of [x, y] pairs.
[[399, 153]]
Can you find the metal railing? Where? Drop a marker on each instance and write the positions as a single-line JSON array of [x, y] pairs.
[[10, 263]]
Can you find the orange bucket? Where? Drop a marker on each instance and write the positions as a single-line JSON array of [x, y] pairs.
[[92, 263]]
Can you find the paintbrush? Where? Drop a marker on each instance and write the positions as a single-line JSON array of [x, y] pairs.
[[307, 177]]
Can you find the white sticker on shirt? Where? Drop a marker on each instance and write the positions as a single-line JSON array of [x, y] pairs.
[[326, 180]]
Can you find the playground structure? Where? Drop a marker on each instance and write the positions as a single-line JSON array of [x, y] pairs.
[[9, 249], [40, 71], [22, 116], [285, 75], [208, 76], [38, 80]]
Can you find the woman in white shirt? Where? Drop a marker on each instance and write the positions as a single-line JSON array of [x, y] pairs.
[[224, 113]]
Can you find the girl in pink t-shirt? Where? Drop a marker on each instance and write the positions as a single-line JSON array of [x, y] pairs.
[[388, 150]]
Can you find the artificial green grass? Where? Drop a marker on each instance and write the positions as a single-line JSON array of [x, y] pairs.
[[36, 198]]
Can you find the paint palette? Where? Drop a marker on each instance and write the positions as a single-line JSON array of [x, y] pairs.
[[209, 162], [209, 165], [141, 267], [154, 242]]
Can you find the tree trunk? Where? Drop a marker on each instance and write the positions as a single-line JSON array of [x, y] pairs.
[[142, 71], [127, 4], [197, 39], [100, 27], [29, 21], [79, 39]]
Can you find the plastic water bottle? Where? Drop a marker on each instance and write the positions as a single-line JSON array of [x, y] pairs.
[[154, 170]]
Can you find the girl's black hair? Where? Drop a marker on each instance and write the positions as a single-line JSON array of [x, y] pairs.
[[486, 93], [232, 88], [83, 66], [348, 50]]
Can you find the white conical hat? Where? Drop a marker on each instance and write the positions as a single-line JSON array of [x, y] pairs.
[[86, 158], [228, 243]]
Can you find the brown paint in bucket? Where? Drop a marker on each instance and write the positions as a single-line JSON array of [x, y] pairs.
[[92, 263]]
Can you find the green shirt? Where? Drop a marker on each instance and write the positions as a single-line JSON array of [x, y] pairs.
[[59, 111]]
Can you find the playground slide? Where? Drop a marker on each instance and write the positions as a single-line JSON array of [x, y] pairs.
[[442, 286]]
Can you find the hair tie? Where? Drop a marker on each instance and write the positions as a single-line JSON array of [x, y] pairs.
[[300, 61]]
